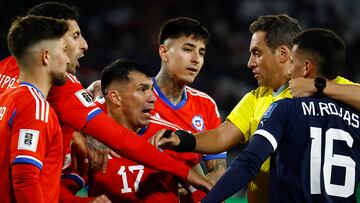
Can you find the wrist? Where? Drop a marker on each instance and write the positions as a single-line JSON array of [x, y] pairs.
[[187, 141], [320, 84]]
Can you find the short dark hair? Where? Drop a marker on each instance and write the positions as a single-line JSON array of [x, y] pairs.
[[327, 49], [279, 29], [55, 10], [119, 70], [29, 30], [183, 26]]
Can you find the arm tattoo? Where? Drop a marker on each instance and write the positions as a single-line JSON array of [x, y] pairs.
[[92, 143]]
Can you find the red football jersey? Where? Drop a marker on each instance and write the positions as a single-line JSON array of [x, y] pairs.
[[31, 136], [196, 112], [129, 181], [75, 107], [9, 73]]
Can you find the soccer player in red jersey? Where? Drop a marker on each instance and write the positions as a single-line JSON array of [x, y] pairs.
[[129, 98], [75, 108], [127, 87], [182, 50], [31, 138]]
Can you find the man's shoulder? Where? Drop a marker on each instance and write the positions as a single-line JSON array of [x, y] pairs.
[[194, 94], [261, 91], [342, 80]]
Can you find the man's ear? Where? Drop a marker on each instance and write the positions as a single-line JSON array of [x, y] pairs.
[[45, 57], [163, 53], [308, 68], [283, 53], [114, 97]]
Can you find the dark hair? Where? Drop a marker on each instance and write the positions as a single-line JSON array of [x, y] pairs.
[[29, 30], [55, 10], [119, 70], [183, 26], [279, 29], [326, 48]]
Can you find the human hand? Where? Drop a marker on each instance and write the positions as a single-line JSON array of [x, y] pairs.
[[101, 199], [165, 139], [302, 87], [199, 181], [79, 153], [98, 154], [94, 90]]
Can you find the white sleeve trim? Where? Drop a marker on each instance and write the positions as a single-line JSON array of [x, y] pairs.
[[269, 137]]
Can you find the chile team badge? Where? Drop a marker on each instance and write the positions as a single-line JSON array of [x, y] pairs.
[[198, 122]]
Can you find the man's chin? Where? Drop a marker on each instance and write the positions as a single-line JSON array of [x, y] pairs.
[[72, 70]]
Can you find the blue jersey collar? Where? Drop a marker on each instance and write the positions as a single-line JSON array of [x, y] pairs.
[[167, 101], [33, 86]]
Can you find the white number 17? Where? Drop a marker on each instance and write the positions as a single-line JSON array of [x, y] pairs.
[[122, 172]]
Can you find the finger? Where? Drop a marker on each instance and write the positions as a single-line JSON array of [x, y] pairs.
[[114, 154], [91, 155], [158, 136], [96, 161], [105, 161]]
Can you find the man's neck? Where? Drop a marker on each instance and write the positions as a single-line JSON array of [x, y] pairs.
[[39, 80], [168, 86], [114, 111]]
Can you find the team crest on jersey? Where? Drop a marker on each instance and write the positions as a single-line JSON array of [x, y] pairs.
[[85, 98], [28, 139], [198, 122]]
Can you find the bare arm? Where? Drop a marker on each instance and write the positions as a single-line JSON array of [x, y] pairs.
[[216, 168], [348, 94], [213, 141], [219, 139]]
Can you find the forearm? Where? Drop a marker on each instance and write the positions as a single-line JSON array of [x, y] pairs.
[[216, 168], [219, 139], [348, 94], [235, 178], [25, 180], [127, 144]]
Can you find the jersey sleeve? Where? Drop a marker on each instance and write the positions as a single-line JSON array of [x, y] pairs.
[[29, 138], [127, 144], [72, 103], [273, 122], [241, 115], [243, 169], [34, 130]]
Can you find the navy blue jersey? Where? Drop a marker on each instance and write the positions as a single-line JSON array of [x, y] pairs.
[[315, 147]]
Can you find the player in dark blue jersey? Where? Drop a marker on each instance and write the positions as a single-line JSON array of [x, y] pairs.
[[314, 142]]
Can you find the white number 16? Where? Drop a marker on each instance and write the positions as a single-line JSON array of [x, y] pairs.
[[330, 159]]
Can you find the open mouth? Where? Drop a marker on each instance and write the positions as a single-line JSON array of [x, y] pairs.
[[147, 112], [192, 69]]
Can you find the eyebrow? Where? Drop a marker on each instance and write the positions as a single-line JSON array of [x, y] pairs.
[[193, 46], [144, 85]]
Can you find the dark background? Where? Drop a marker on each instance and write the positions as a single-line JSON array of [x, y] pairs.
[[115, 29]]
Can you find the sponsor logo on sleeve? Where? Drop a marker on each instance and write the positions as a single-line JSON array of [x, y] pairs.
[[85, 98], [28, 139], [268, 112]]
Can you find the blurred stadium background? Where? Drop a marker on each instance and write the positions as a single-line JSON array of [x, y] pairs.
[[120, 28]]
